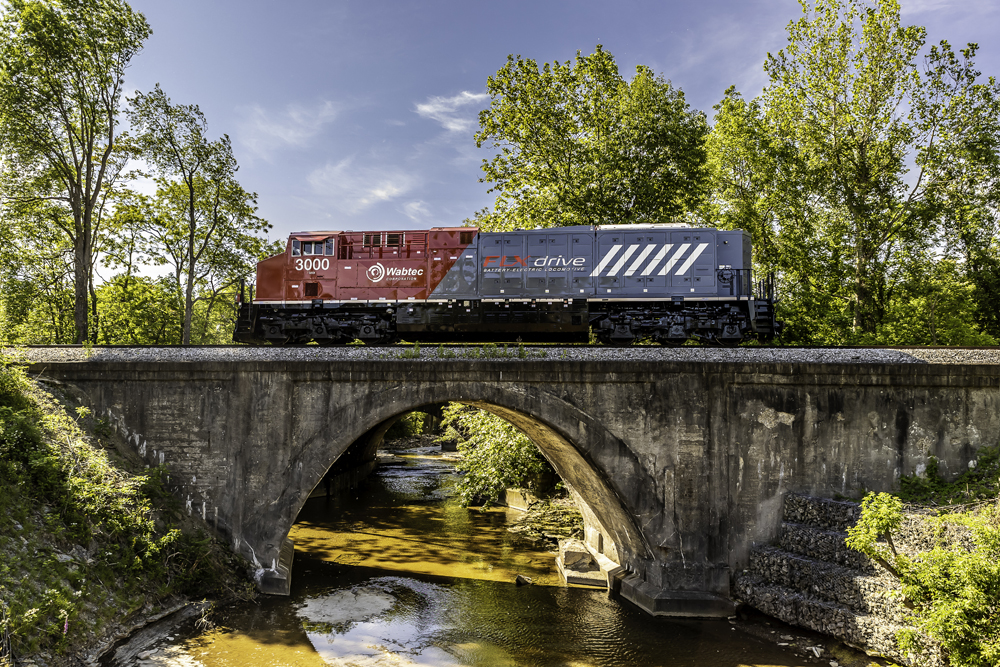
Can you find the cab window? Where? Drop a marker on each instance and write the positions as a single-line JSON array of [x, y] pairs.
[[296, 248]]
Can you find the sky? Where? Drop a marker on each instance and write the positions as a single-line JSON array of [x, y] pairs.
[[360, 114]]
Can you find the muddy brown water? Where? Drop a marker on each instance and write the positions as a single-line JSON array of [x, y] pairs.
[[400, 575]]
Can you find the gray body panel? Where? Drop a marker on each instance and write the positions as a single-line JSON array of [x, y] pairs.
[[587, 262]]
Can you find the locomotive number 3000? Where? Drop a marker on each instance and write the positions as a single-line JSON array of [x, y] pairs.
[[312, 264]]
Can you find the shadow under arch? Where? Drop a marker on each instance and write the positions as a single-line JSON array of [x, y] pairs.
[[570, 460]]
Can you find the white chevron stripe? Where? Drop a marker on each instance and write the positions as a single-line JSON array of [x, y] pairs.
[[605, 260], [642, 257], [673, 260], [690, 260], [656, 260], [621, 262]]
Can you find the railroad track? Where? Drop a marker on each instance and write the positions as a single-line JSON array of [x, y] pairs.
[[578, 346]]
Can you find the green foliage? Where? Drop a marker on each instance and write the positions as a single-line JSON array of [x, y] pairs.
[[201, 222], [952, 589], [411, 352], [881, 514], [856, 167], [974, 485], [36, 276], [410, 424], [577, 144], [139, 311], [60, 494], [496, 454], [62, 69]]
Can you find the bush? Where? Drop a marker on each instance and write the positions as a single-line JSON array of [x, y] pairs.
[[497, 455], [954, 592], [409, 425]]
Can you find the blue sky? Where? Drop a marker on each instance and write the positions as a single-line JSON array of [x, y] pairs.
[[360, 114]]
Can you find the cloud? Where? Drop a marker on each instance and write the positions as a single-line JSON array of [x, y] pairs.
[[956, 10], [416, 211], [920, 6], [263, 132], [445, 110], [353, 189]]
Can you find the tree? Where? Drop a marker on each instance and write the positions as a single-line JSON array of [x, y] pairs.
[[139, 311], [203, 223], [62, 68], [580, 145], [863, 154], [36, 273], [496, 455]]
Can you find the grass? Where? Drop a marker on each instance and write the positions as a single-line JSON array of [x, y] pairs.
[[977, 484], [86, 542]]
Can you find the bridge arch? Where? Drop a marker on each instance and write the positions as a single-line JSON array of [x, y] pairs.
[[572, 461]]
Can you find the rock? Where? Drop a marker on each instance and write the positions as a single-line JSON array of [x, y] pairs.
[[63, 558], [522, 580], [574, 554]]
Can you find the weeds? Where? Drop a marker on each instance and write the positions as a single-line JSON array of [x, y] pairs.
[[976, 484], [411, 353], [485, 351], [82, 529]]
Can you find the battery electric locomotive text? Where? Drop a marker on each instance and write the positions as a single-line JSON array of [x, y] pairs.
[[664, 282]]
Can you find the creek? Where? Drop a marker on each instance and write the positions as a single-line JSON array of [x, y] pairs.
[[400, 574]]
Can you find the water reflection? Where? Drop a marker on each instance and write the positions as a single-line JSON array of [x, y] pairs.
[[401, 575]]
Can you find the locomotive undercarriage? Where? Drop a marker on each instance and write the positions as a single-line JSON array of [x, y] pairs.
[[675, 323], [723, 322]]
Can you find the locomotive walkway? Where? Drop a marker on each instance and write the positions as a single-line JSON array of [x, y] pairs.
[[682, 460]]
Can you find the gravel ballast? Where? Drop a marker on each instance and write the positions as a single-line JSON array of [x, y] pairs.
[[431, 353]]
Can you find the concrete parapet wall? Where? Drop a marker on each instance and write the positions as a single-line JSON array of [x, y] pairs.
[[683, 464]]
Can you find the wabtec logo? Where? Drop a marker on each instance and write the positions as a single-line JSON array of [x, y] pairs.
[[378, 272]]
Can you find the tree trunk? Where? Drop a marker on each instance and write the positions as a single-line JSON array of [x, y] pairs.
[[82, 255], [188, 309], [865, 316]]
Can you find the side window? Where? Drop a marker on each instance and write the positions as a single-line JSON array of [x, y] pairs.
[[329, 247], [296, 248]]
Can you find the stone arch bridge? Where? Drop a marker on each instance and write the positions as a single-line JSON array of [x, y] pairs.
[[682, 464]]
